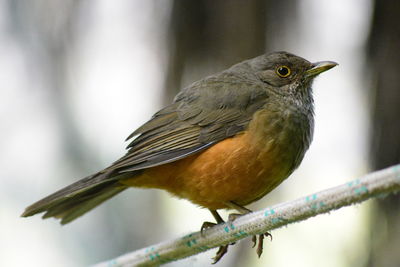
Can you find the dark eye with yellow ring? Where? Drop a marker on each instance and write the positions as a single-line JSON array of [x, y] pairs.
[[283, 71]]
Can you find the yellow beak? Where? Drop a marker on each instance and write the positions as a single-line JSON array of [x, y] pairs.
[[320, 67]]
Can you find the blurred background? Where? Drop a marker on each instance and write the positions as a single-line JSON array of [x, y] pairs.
[[77, 77]]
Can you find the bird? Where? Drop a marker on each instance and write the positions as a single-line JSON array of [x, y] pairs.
[[224, 142]]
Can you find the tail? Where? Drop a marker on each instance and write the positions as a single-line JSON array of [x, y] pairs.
[[78, 198]]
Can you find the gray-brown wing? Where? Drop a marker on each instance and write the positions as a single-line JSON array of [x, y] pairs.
[[195, 121]]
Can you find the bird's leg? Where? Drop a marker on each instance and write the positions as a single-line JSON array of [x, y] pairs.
[[243, 211], [217, 218], [222, 250]]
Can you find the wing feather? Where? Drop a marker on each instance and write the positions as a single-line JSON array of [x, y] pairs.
[[195, 121]]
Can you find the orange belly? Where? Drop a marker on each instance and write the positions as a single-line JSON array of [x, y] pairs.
[[235, 169]]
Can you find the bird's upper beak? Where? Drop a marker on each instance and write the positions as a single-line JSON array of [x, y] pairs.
[[319, 67]]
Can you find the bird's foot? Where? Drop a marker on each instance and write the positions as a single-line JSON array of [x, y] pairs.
[[244, 211], [259, 249], [233, 216], [206, 225], [222, 250]]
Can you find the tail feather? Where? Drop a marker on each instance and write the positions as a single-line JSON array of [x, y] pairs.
[[78, 198], [72, 208]]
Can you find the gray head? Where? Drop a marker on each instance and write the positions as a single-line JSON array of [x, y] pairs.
[[285, 73]]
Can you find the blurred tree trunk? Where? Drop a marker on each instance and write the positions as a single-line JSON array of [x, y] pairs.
[[384, 55], [208, 36]]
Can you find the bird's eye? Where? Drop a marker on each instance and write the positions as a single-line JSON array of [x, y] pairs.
[[283, 71]]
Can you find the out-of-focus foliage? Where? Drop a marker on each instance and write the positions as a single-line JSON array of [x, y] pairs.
[[383, 72]]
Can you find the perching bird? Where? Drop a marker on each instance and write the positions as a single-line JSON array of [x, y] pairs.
[[225, 141]]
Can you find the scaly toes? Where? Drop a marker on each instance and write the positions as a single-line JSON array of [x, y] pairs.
[[220, 253], [260, 246], [233, 216], [268, 235], [206, 225], [259, 249], [224, 249], [254, 239]]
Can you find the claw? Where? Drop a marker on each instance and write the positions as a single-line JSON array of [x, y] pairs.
[[268, 235], [220, 253], [254, 239], [233, 216], [260, 246], [206, 225]]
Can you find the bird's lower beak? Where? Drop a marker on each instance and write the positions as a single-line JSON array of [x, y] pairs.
[[319, 67]]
